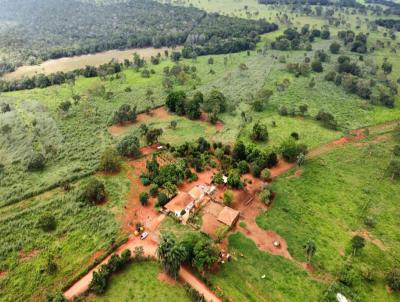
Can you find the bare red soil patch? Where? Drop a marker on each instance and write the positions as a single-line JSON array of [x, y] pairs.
[[204, 118], [3, 274], [281, 168], [367, 236], [165, 278], [23, 256]]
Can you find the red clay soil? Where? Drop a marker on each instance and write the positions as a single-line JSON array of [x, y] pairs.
[[265, 239], [159, 112], [149, 149], [82, 285], [3, 274], [165, 278], [187, 276], [27, 256], [218, 125]]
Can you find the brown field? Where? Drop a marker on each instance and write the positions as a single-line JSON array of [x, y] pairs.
[[71, 63]]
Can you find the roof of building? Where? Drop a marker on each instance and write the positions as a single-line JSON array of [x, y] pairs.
[[213, 208], [180, 202], [197, 192], [228, 216]]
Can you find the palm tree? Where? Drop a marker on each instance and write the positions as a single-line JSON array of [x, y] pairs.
[[310, 248], [170, 254]]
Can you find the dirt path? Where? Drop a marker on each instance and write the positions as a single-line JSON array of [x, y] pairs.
[[82, 285], [198, 285]]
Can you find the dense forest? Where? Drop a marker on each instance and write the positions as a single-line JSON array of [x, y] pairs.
[[389, 23], [343, 3], [36, 30]]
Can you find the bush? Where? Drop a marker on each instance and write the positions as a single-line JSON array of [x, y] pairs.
[[129, 146], [110, 161], [47, 223], [334, 47], [255, 169], [265, 196], [153, 190], [243, 167], [265, 174], [393, 279], [37, 162], [162, 199], [326, 119], [290, 150], [94, 192], [295, 136], [143, 198], [317, 66], [396, 150], [228, 197], [145, 181], [259, 132]]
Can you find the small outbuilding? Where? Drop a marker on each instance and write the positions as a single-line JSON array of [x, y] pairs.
[[228, 216], [183, 202]]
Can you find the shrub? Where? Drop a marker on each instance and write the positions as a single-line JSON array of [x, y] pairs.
[[47, 223], [153, 190], [162, 199], [143, 198], [243, 167], [393, 279], [265, 196], [259, 132], [129, 146], [265, 174], [396, 150], [290, 150], [334, 47], [228, 197], [317, 66], [145, 181], [295, 135], [37, 162], [326, 119], [255, 169], [94, 191], [110, 161]]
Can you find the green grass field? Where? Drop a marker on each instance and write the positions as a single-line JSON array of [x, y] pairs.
[[139, 282], [81, 231], [330, 201]]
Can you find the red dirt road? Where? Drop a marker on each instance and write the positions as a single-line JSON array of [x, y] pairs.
[[82, 285]]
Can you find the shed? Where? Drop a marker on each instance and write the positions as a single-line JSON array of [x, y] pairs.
[[228, 216]]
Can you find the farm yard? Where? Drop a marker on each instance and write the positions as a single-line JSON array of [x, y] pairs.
[[187, 172]]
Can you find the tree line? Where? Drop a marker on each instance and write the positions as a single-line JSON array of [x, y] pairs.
[[44, 33]]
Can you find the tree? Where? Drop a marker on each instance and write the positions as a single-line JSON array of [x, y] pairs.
[[310, 248], [170, 189], [176, 56], [259, 132], [228, 197], [234, 179], [335, 47], [170, 254], [94, 191], [193, 108], [143, 198], [64, 106], [152, 135], [265, 174], [175, 100], [129, 146], [394, 169], [357, 243], [37, 162], [216, 101], [173, 124], [205, 254], [47, 222], [239, 151], [125, 114], [109, 161], [218, 178], [243, 167], [327, 120], [387, 67], [325, 34], [266, 196], [162, 199], [317, 66], [393, 279], [290, 150]]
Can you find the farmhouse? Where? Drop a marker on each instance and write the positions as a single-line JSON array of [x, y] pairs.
[[184, 202], [228, 216]]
